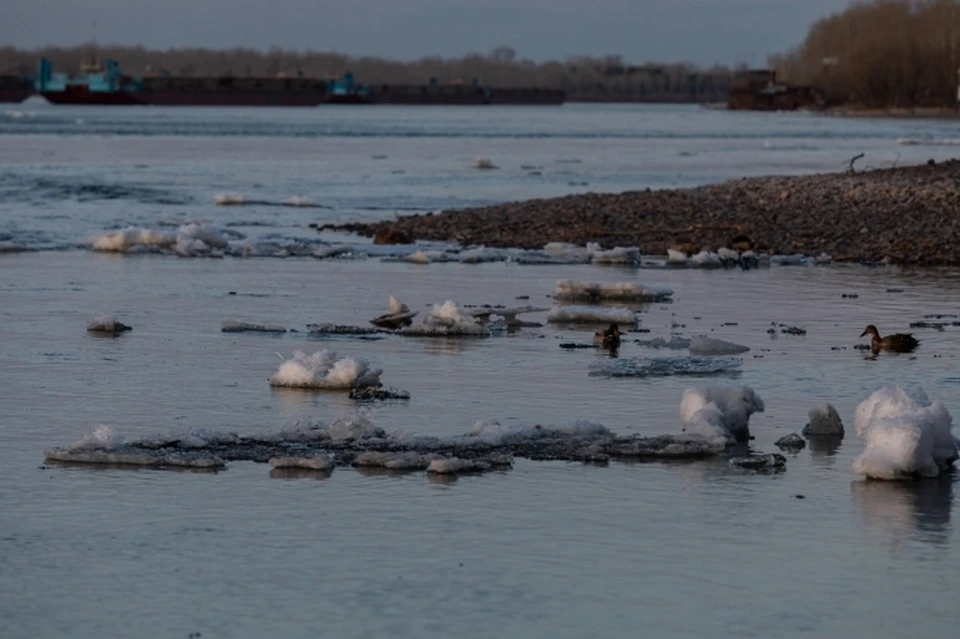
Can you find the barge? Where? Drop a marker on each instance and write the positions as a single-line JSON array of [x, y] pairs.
[[109, 86]]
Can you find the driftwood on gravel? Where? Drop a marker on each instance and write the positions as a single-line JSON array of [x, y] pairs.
[[904, 215]]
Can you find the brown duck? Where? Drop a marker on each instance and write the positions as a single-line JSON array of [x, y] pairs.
[[898, 342], [608, 338]]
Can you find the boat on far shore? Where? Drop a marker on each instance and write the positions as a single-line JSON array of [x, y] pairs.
[[99, 85]]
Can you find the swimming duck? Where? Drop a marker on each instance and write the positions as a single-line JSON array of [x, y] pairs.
[[898, 342], [608, 338]]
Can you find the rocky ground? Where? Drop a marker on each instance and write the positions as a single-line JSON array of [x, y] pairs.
[[906, 215]]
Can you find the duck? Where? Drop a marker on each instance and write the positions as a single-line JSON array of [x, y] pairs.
[[608, 338], [898, 342]]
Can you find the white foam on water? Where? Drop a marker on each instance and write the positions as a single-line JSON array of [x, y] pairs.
[[703, 345], [591, 315], [325, 370], [127, 239], [824, 420], [314, 462], [619, 291], [229, 199], [905, 434], [719, 411]]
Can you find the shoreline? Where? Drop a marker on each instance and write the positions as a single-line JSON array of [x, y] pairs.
[[905, 215]]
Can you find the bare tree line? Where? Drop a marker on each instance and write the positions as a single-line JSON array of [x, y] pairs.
[[606, 78], [881, 53]]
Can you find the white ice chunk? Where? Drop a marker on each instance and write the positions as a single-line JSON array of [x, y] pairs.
[[703, 345], [619, 291], [325, 370], [904, 434], [591, 315]]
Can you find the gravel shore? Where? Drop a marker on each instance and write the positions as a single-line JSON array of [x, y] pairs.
[[906, 215]]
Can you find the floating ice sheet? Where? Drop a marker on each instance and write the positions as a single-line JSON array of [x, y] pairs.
[[703, 345], [230, 326], [591, 315], [666, 366], [616, 292], [355, 440]]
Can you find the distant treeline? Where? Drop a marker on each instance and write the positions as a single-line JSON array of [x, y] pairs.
[[884, 53], [599, 79]]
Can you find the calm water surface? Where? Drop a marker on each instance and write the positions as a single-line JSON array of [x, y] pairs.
[[544, 549]]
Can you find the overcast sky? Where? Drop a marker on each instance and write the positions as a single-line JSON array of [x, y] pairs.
[[700, 31]]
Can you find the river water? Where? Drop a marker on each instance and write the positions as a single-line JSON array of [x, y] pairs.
[[545, 549]]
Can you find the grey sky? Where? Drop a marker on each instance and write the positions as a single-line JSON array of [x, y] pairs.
[[701, 31]]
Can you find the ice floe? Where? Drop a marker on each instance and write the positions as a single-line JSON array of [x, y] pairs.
[[107, 325], [230, 326], [666, 366], [229, 199], [344, 329], [719, 412], [127, 239], [591, 315], [354, 440], [400, 315], [103, 446], [325, 370], [904, 435], [675, 343], [617, 255], [703, 345], [617, 292], [321, 462], [447, 320]]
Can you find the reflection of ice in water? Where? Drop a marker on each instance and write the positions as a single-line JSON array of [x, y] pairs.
[[910, 509]]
